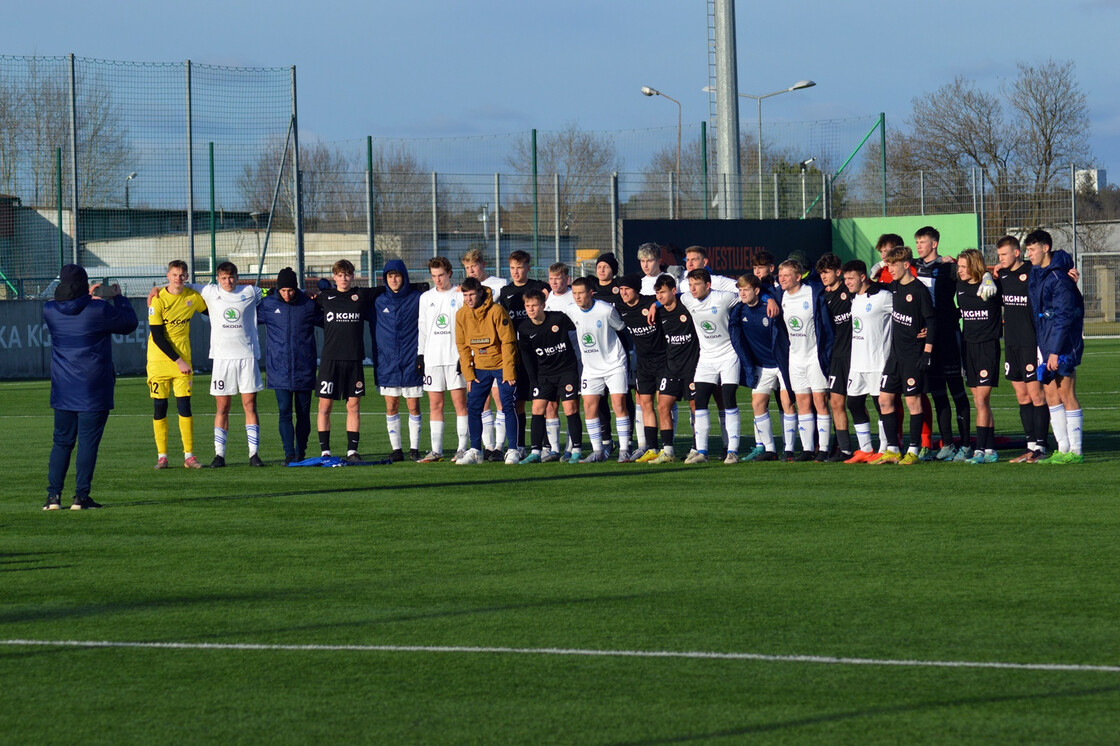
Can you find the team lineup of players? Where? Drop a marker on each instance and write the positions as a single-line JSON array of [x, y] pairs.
[[820, 340]]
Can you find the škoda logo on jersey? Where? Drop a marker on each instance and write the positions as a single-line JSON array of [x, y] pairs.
[[708, 327], [796, 324], [231, 314], [588, 340], [857, 326], [441, 321]]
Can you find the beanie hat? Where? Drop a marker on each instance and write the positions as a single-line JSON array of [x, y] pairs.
[[610, 260], [634, 282], [287, 279], [73, 282]]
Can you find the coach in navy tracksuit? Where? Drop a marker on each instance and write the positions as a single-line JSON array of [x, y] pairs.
[[396, 325], [82, 377], [289, 319]]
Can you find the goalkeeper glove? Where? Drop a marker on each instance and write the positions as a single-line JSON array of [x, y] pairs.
[[420, 364], [987, 286]]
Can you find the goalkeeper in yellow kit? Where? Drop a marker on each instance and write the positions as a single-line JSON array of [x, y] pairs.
[[169, 359]]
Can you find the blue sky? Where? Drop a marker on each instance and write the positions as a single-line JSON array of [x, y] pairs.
[[431, 68]]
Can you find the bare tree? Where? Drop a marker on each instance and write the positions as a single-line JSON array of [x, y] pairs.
[[584, 162]]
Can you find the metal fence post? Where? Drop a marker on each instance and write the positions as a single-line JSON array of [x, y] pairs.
[[435, 215], [922, 191], [498, 221], [297, 184], [536, 202], [615, 232], [981, 227], [58, 185], [824, 195], [704, 162], [1073, 219], [556, 213], [370, 227], [777, 209], [672, 203], [75, 223], [190, 177]]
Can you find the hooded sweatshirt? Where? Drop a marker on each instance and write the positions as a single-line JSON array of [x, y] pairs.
[[396, 325]]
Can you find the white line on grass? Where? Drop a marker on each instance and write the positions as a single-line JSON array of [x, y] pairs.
[[820, 659]]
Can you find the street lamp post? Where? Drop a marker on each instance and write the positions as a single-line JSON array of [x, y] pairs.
[[127, 212], [127, 179], [795, 87], [647, 91]]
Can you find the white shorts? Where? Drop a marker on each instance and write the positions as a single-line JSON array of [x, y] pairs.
[[408, 392], [864, 383], [769, 381], [614, 382], [806, 377], [443, 378], [232, 377], [723, 370]]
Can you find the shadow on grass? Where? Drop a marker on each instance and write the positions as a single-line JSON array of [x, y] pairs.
[[449, 613], [27, 558], [41, 614], [873, 712], [398, 487]]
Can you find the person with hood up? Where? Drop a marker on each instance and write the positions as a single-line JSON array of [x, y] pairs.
[[1059, 319], [81, 326], [396, 326], [289, 318]]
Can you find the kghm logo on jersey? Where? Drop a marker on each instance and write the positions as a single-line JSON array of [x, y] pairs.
[[588, 340], [231, 314], [441, 321], [708, 327], [796, 324]]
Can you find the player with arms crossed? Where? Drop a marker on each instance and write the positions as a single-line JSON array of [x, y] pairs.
[[913, 335], [169, 359]]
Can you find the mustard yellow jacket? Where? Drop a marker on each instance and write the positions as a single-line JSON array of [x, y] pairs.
[[486, 339]]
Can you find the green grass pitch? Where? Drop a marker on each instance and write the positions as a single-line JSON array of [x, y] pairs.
[[410, 577]]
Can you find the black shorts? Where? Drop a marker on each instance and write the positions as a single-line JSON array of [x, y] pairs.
[[903, 377], [557, 387], [647, 380], [678, 388], [1020, 363], [341, 379], [981, 363], [838, 375]]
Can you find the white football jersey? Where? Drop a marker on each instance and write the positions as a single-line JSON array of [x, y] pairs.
[[871, 331], [596, 336], [233, 321], [495, 284], [647, 284], [561, 303], [436, 340], [797, 311], [709, 316], [724, 284]]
